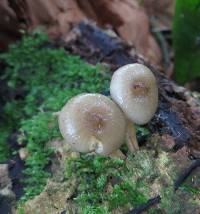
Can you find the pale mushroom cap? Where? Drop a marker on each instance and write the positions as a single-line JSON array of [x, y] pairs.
[[92, 117], [134, 89]]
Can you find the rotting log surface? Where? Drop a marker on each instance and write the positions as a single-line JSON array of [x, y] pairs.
[[186, 173], [178, 112]]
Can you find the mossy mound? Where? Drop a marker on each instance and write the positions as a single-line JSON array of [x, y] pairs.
[[111, 185], [41, 78]]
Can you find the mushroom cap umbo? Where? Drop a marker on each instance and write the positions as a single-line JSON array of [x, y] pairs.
[[92, 122], [133, 87]]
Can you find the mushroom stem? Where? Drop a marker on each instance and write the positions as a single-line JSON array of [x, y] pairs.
[[118, 154], [131, 139]]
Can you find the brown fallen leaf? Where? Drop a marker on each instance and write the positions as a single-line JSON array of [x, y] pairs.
[[130, 22], [57, 18]]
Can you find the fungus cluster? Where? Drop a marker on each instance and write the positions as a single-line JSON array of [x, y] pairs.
[[94, 123]]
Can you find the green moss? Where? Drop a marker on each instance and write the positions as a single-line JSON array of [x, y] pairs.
[[47, 78], [142, 131], [190, 189], [95, 210], [111, 183], [171, 202], [96, 184], [4, 148], [103, 182], [20, 209]]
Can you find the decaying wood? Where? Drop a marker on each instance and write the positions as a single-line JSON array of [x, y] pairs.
[[178, 113], [140, 209], [186, 173]]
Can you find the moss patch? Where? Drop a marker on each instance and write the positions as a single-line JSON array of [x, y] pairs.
[[4, 149], [111, 185], [44, 78], [103, 184]]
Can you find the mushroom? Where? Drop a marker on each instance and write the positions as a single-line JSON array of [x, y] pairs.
[[93, 123], [133, 87]]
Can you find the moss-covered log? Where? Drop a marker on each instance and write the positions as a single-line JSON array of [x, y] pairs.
[[58, 76]]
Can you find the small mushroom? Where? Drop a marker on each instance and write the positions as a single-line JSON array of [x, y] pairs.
[[92, 123], [133, 87]]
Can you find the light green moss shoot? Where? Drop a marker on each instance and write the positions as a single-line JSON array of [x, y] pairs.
[[104, 184], [112, 185]]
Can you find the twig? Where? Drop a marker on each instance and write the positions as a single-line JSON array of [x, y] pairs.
[[145, 206], [186, 173]]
